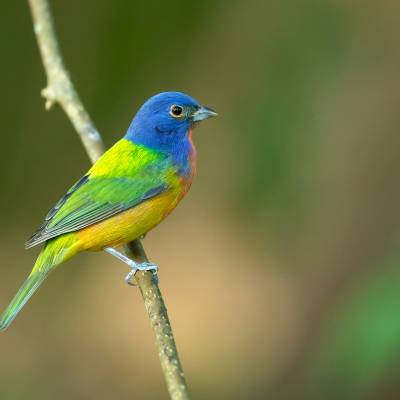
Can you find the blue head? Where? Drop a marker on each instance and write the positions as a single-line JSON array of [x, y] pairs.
[[164, 121]]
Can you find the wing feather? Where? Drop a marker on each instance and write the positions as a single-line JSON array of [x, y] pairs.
[[92, 200]]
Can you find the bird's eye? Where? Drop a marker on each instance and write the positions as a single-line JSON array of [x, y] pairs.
[[176, 111]]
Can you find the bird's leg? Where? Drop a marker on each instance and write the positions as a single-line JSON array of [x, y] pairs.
[[145, 266]]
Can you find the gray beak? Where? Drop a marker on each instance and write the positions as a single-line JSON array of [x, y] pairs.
[[203, 113]]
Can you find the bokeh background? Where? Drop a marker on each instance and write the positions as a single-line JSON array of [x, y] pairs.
[[281, 268]]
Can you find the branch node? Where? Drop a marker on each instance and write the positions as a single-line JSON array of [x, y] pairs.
[[48, 94]]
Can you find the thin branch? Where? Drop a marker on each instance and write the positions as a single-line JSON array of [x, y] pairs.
[[61, 90]]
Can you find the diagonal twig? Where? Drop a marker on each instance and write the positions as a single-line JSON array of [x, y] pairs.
[[61, 90]]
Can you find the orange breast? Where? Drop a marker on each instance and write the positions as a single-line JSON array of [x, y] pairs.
[[187, 182]]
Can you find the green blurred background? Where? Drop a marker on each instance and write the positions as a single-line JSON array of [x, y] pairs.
[[281, 268]]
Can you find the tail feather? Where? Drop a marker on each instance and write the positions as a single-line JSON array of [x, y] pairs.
[[53, 253], [26, 291]]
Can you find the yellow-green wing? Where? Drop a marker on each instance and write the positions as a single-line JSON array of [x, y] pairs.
[[92, 200]]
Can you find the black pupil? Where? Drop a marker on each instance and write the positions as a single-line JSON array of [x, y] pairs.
[[176, 110]]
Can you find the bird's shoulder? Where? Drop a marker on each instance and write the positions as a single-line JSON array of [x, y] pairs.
[[127, 159]]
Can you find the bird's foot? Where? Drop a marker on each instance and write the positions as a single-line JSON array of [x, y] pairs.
[[133, 265], [144, 266]]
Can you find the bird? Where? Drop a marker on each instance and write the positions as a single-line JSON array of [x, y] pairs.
[[129, 190]]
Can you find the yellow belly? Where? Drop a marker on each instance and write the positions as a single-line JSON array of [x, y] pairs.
[[128, 225]]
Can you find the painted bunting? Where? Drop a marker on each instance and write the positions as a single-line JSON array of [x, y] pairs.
[[126, 193]]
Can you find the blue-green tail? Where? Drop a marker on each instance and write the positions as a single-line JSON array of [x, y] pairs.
[[52, 255]]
